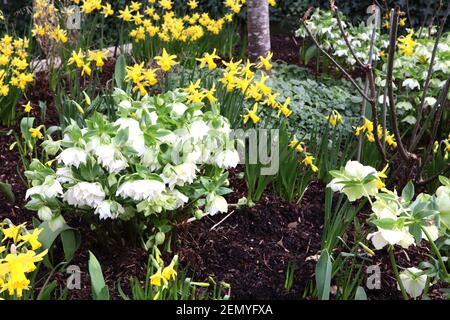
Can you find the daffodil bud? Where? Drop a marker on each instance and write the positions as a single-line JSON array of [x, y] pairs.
[[435, 147], [200, 284], [367, 249]]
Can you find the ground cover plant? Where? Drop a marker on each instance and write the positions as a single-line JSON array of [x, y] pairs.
[[178, 150]]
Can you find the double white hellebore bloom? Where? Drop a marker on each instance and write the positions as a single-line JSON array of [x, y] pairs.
[[355, 181], [141, 190], [85, 194], [216, 204], [72, 157], [394, 236], [158, 155]]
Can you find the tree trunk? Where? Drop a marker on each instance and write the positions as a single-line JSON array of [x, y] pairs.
[[258, 28]]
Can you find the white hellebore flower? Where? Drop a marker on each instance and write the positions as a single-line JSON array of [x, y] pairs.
[[49, 189], [443, 204], [227, 159], [135, 134], [198, 129], [215, 204], [413, 281], [179, 175], [179, 197], [178, 109], [411, 83], [383, 237], [64, 174], [85, 194], [110, 158], [72, 157], [139, 190], [109, 209], [150, 158], [355, 172]]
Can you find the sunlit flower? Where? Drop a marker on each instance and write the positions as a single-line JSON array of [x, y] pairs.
[[27, 107], [208, 59], [251, 114], [85, 194], [36, 133], [215, 204], [355, 181], [72, 157], [166, 61], [265, 61]]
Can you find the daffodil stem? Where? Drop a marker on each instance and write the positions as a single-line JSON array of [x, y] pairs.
[[395, 269], [436, 251]]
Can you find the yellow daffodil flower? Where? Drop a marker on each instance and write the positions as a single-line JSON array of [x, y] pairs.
[[32, 239], [251, 114], [36, 133], [166, 61], [107, 10], [27, 107], [265, 61], [406, 44], [208, 60], [157, 279], [98, 57]]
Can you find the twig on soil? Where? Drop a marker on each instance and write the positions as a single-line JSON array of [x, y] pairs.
[[218, 223]]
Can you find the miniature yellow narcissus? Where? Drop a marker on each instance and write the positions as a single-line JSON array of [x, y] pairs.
[[98, 57], [32, 239], [169, 272], [36, 132], [107, 10], [251, 114], [157, 279], [27, 107], [208, 60], [406, 44], [166, 61], [334, 118], [265, 61], [192, 4], [13, 232], [308, 160]]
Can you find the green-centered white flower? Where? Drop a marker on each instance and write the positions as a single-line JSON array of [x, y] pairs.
[[414, 281], [355, 181], [443, 202]]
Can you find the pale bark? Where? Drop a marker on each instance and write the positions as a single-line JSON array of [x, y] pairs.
[[258, 28]]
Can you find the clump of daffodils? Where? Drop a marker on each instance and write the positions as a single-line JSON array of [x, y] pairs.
[[18, 258], [444, 145], [85, 61], [47, 27], [368, 129], [15, 74], [158, 19], [251, 81], [166, 282], [308, 159], [160, 154]]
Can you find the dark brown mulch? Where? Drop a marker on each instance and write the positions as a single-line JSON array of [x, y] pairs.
[[286, 48], [252, 248]]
